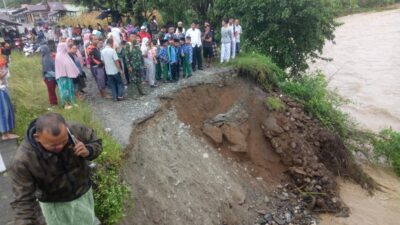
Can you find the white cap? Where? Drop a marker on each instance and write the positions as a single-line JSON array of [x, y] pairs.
[[142, 27]]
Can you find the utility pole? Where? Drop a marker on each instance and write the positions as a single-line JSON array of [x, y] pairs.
[[5, 5]]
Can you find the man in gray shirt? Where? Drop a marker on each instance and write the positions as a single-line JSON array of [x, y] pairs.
[[226, 41], [113, 70]]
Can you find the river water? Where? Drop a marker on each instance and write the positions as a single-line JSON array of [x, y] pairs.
[[366, 70], [366, 67]]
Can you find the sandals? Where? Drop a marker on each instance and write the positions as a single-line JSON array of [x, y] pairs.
[[5, 137]]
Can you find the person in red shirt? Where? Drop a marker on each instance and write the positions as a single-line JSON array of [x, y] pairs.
[[143, 34]]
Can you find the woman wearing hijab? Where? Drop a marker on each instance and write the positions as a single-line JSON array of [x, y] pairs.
[[66, 70], [80, 81], [48, 73]]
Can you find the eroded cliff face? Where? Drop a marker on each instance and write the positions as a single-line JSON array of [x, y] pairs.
[[215, 154]]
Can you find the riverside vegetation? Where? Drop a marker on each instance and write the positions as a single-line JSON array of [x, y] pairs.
[[312, 91]]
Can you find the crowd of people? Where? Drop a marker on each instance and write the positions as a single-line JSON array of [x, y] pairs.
[[117, 56], [50, 173], [120, 55]]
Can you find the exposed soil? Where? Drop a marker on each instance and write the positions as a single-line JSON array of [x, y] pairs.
[[214, 154]]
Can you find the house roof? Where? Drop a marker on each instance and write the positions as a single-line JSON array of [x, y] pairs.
[[18, 11], [36, 8], [4, 19], [56, 6]]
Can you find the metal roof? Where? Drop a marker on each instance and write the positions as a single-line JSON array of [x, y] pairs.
[[35, 8], [4, 19], [56, 6]]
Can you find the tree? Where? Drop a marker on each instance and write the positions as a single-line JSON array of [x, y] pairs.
[[289, 31]]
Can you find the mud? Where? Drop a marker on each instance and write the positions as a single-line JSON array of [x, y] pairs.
[[180, 175], [275, 143]]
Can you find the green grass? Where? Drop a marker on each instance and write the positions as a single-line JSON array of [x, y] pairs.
[[259, 68], [29, 96], [387, 143], [312, 91], [274, 103]]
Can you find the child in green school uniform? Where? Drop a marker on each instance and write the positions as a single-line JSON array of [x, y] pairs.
[[187, 58], [164, 59]]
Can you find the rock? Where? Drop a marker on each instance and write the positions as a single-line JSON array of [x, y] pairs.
[[288, 217], [268, 217], [361, 156], [214, 133], [271, 125], [279, 221], [284, 196], [235, 137], [321, 203], [293, 144], [261, 211], [266, 199], [236, 114], [239, 196], [275, 143], [297, 171]]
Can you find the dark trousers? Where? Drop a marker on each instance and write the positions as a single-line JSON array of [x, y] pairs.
[[51, 90], [237, 47], [100, 77], [174, 71], [116, 85], [197, 58]]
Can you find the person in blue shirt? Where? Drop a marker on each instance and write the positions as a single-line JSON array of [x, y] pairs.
[[164, 59], [173, 59], [187, 58]]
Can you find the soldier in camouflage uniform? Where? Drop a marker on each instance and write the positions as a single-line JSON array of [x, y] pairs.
[[135, 63]]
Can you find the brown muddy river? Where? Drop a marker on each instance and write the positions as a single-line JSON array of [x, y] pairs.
[[366, 67], [366, 70]]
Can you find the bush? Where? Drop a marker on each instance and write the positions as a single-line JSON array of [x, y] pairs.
[[312, 91], [388, 145], [259, 68], [29, 96], [274, 103], [289, 31], [110, 195]]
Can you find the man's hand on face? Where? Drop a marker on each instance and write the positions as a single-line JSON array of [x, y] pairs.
[[81, 150]]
